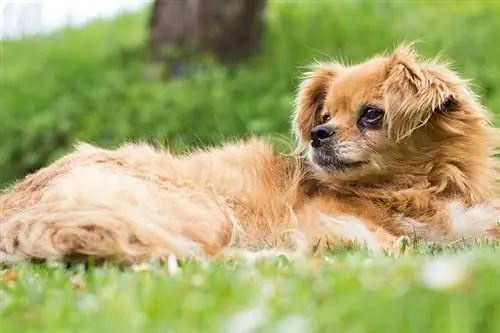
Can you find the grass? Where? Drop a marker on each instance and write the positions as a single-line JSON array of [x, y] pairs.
[[92, 84], [346, 292]]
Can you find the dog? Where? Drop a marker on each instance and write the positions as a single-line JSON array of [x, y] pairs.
[[394, 147]]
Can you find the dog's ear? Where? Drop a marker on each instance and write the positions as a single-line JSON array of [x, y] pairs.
[[311, 97], [414, 90]]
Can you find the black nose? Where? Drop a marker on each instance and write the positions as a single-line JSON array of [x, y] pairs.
[[319, 134]]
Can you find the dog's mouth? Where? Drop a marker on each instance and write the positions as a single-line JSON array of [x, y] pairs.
[[333, 162]]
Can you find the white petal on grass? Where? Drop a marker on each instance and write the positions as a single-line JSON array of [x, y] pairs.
[[204, 264], [198, 280], [247, 321], [172, 265], [268, 290], [143, 267], [294, 324], [368, 262], [444, 273], [5, 300], [88, 303], [329, 259]]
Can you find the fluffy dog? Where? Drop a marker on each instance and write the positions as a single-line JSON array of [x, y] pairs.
[[395, 146]]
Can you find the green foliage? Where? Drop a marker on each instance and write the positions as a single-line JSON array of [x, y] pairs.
[[94, 85]]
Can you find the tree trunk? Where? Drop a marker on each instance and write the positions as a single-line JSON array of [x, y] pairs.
[[229, 30]]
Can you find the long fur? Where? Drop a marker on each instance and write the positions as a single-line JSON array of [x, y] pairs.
[[430, 173]]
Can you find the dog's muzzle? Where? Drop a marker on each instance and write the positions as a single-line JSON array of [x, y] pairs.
[[320, 134]]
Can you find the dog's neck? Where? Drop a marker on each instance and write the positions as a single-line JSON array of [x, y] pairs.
[[470, 181]]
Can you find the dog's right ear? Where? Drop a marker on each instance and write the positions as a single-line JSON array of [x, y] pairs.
[[311, 97]]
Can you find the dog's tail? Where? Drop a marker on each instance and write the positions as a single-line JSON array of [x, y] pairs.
[[56, 232]]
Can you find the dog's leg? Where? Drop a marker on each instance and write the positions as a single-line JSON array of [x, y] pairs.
[[348, 229], [329, 231]]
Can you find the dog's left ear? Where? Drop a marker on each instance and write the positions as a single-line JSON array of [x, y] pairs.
[[414, 90]]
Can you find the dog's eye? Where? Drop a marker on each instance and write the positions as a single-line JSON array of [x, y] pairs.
[[325, 117], [372, 115]]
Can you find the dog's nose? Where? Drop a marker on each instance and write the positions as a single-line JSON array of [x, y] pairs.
[[319, 134]]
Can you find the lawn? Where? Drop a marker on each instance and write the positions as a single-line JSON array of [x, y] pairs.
[[92, 84], [346, 292]]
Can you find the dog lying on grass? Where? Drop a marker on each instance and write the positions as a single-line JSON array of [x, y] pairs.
[[393, 147]]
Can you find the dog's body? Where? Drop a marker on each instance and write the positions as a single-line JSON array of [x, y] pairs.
[[140, 202], [399, 147]]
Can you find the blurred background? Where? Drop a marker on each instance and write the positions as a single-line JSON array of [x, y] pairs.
[[188, 73]]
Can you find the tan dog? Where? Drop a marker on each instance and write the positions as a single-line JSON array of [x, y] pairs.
[[394, 146]]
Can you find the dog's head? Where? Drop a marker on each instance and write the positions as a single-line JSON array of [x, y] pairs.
[[392, 114]]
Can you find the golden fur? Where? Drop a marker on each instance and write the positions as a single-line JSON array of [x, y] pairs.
[[427, 170]]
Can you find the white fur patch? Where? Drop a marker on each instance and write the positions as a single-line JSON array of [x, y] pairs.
[[467, 223], [350, 228], [472, 222]]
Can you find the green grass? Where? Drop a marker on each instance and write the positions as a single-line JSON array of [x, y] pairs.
[[347, 292], [92, 84]]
